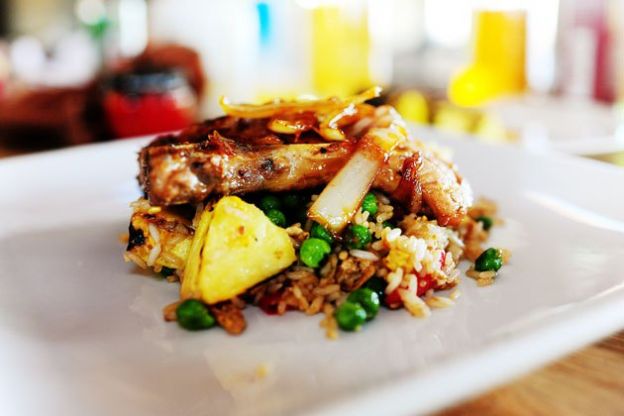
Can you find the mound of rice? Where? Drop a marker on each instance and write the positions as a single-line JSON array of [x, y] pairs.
[[416, 257]]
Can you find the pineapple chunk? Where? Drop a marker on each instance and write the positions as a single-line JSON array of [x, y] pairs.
[[235, 247], [174, 232]]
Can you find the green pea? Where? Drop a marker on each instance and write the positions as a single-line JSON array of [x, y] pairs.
[[318, 231], [292, 201], [377, 285], [166, 271], [486, 221], [368, 299], [350, 316], [277, 217], [194, 315], [358, 236], [369, 204], [269, 202], [490, 260], [313, 251]]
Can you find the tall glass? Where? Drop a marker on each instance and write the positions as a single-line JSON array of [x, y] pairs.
[[499, 58], [340, 48]]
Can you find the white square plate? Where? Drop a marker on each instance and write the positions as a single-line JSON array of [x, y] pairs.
[[81, 332]]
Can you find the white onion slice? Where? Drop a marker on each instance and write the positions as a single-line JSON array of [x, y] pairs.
[[343, 195]]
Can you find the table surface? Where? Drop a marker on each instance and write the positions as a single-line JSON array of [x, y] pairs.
[[590, 381]]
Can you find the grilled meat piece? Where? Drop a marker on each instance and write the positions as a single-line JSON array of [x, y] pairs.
[[444, 191], [415, 177], [190, 172], [229, 155]]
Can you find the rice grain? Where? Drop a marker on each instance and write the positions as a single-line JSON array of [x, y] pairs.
[[363, 254]]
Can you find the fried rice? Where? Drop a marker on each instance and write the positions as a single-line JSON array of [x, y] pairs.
[[415, 257]]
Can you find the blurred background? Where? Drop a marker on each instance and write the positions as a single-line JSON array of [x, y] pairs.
[[545, 74]]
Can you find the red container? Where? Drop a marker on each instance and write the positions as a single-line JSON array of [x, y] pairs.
[[137, 104]]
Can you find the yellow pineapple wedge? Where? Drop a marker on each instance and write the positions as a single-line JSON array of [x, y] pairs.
[[235, 247], [174, 235]]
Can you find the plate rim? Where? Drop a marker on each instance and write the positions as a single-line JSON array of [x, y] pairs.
[[393, 396]]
